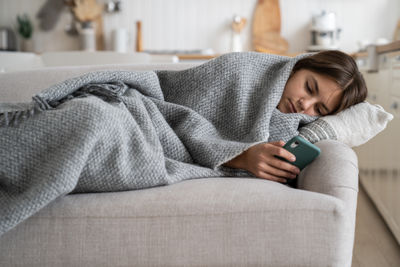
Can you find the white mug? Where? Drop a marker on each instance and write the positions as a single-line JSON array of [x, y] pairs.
[[88, 39]]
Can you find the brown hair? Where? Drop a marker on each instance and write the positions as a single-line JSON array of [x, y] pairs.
[[342, 69]]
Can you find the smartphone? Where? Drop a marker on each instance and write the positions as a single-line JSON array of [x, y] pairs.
[[304, 151]]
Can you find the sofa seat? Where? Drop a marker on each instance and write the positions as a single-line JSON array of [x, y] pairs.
[[199, 222]]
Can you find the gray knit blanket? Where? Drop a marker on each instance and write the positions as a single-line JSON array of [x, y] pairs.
[[123, 130]]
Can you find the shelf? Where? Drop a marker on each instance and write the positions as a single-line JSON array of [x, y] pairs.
[[196, 56], [380, 49]]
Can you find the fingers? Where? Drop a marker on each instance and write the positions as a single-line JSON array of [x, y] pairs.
[[283, 165], [283, 153], [278, 163], [279, 172], [268, 172], [271, 170], [263, 162], [268, 176]]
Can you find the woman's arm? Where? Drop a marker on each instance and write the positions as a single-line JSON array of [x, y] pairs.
[[260, 160]]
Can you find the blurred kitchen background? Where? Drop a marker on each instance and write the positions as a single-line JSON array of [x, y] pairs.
[[46, 33], [200, 25]]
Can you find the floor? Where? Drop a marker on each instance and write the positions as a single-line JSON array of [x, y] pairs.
[[375, 246]]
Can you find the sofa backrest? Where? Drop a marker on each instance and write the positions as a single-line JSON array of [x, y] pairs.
[[13, 61], [22, 85]]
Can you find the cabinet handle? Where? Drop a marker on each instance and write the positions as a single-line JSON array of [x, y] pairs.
[[394, 105]]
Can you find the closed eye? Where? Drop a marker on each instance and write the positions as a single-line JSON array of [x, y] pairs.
[[308, 88], [318, 110]]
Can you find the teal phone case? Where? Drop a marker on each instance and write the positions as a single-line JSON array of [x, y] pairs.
[[304, 151]]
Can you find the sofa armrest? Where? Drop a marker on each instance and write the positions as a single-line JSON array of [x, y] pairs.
[[334, 172]]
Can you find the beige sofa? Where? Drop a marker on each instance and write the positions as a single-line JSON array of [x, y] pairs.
[[201, 222]]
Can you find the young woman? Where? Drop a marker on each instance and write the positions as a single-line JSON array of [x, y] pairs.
[[113, 131], [322, 84]]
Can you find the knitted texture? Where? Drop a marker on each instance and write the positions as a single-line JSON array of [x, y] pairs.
[[317, 131], [120, 130]]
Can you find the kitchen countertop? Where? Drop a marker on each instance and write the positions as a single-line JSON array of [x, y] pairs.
[[390, 47], [207, 57], [196, 56]]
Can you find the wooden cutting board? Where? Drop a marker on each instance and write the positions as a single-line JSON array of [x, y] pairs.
[[266, 28], [90, 10]]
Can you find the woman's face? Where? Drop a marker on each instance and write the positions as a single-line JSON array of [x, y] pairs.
[[310, 93]]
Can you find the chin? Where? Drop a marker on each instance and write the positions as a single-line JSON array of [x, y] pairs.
[[282, 109], [279, 107]]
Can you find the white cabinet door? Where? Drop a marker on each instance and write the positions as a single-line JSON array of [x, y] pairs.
[[379, 159]]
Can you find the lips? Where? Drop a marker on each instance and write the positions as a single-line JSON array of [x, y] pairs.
[[292, 107]]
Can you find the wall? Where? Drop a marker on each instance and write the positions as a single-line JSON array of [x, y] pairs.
[[195, 24]]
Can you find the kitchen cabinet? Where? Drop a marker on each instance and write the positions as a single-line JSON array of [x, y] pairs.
[[379, 159]]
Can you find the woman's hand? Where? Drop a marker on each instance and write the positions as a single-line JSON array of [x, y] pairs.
[[260, 160]]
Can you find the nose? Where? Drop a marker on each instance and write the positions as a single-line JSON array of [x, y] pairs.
[[307, 104]]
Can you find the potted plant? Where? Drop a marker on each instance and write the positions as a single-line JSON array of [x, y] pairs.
[[25, 30]]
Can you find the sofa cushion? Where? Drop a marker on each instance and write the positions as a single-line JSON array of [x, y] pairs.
[[212, 221]]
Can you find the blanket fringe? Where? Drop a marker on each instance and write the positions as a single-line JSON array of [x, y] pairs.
[[9, 118], [109, 92]]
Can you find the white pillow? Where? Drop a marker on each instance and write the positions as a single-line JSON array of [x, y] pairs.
[[353, 126]]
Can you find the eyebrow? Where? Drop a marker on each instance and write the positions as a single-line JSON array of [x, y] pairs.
[[317, 90]]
